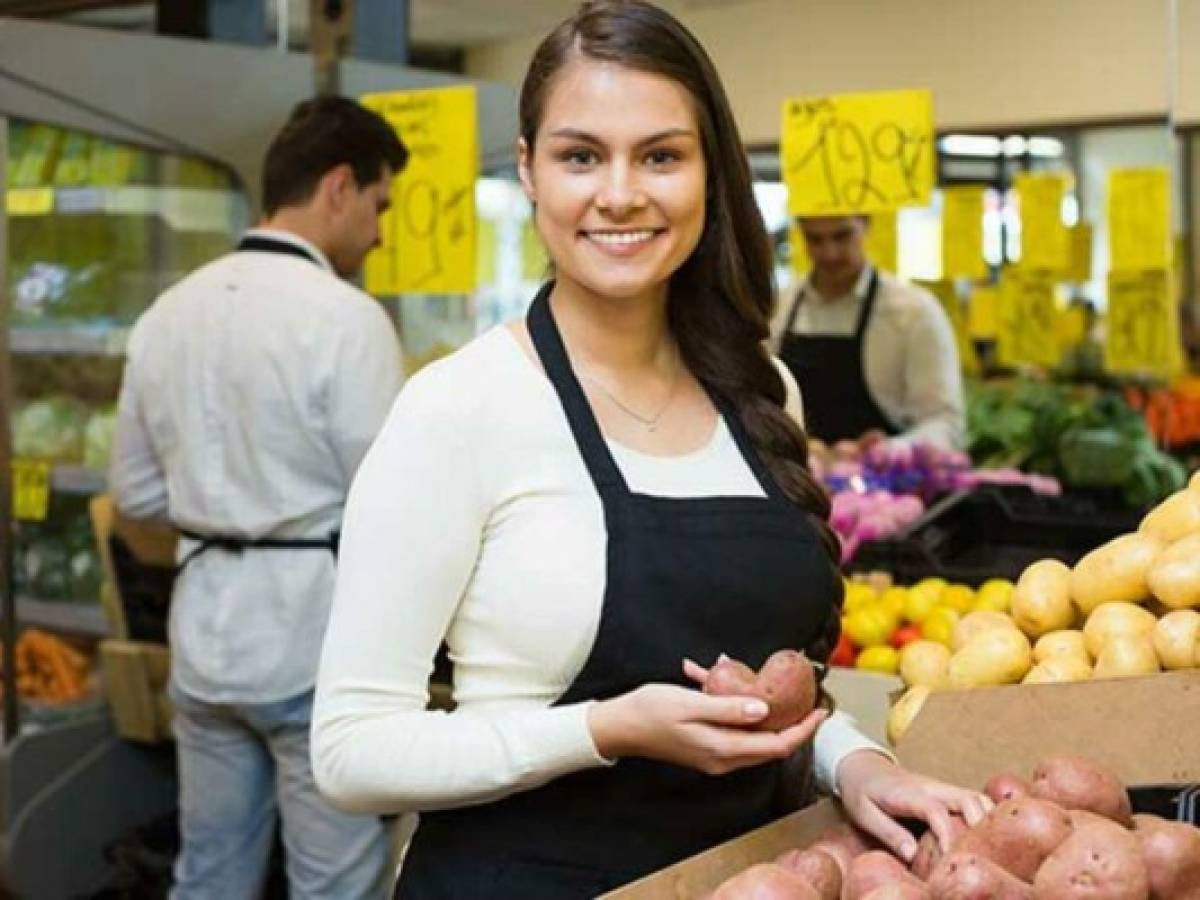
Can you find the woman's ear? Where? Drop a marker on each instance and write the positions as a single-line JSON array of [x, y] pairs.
[[525, 169]]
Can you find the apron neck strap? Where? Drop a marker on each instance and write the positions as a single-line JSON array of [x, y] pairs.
[[262, 244], [547, 340], [749, 452], [868, 306]]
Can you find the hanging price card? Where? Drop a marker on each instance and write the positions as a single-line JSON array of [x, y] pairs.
[[1139, 218], [1045, 242], [962, 233], [947, 296], [1142, 334], [30, 489], [881, 241], [1081, 253], [801, 264], [1025, 326], [29, 201], [983, 313], [857, 153], [428, 236]]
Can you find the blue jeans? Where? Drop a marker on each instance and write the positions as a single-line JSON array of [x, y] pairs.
[[240, 764]]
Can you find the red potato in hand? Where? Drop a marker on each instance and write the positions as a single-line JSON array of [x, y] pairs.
[[874, 870], [1100, 861], [969, 876], [765, 881], [1077, 783], [1006, 787], [816, 867], [929, 851], [1171, 851], [786, 682], [1018, 835]]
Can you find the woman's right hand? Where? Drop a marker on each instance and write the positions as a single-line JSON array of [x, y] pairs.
[[690, 728]]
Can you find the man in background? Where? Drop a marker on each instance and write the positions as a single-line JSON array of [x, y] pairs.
[[252, 390], [875, 357]]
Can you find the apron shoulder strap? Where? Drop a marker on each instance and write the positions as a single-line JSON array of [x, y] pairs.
[[547, 341], [795, 311], [868, 306]]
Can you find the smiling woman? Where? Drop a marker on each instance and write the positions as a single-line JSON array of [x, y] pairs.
[[612, 494]]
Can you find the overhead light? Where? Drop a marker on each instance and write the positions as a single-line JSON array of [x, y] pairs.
[[1014, 145], [970, 145], [1045, 147]]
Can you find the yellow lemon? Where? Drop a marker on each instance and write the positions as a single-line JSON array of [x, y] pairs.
[[995, 594], [958, 597], [919, 604], [869, 627], [939, 625], [879, 659], [931, 586], [894, 600], [858, 595]]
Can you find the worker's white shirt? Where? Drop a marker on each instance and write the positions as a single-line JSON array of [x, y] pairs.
[[252, 391], [474, 519], [911, 362]]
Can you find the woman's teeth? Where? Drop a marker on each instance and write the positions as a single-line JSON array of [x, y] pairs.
[[620, 237]]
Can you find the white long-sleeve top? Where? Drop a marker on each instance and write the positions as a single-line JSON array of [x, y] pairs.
[[910, 363], [474, 518], [252, 391]]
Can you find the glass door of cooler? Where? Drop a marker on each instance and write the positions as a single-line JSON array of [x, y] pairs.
[[95, 231]]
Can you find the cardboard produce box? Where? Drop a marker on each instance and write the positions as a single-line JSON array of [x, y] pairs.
[[1146, 729]]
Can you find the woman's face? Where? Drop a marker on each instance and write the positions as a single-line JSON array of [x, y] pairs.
[[617, 174]]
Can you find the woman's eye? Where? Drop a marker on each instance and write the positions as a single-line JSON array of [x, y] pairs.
[[660, 158], [579, 158]]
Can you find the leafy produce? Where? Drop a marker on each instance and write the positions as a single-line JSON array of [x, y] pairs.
[[98, 438], [786, 682], [1082, 436], [50, 428]]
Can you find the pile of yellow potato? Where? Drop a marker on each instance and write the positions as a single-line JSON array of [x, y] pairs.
[[1127, 608]]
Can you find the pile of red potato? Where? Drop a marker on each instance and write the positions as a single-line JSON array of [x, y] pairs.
[[1067, 834]]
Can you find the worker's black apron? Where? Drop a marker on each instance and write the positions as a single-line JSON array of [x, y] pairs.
[[236, 543], [838, 405], [688, 577]]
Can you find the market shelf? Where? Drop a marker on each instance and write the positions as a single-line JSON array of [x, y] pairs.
[[97, 340], [83, 618], [78, 480], [185, 209]]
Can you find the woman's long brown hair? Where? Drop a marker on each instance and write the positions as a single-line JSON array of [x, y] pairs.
[[722, 297]]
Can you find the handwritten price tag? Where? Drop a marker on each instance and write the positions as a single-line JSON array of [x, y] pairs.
[[30, 489], [30, 201], [858, 153], [1139, 218], [1045, 241], [1025, 332], [1142, 336], [428, 236], [1081, 253], [962, 233], [983, 313]]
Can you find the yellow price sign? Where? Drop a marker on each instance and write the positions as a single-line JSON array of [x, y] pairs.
[[1142, 334], [983, 313], [881, 242], [1139, 218], [962, 233], [1045, 241], [30, 489], [947, 296], [428, 236], [857, 153], [1025, 332], [1081, 253], [29, 201]]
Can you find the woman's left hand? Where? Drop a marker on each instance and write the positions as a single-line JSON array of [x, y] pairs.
[[876, 791]]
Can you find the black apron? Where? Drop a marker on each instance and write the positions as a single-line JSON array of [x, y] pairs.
[[829, 369], [236, 543], [692, 578]]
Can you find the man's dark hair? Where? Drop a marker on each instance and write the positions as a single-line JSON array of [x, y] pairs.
[[320, 135]]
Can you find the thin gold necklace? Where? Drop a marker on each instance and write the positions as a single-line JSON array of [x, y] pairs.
[[650, 423]]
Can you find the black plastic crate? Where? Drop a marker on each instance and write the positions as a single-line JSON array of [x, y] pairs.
[[996, 532]]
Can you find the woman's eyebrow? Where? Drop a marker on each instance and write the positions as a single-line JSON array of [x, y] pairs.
[[580, 135]]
